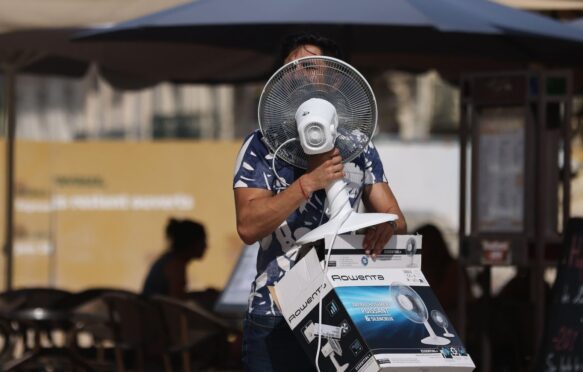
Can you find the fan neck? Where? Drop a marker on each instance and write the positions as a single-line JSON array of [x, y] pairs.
[[339, 198]]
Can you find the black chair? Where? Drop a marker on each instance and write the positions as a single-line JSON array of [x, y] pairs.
[[206, 298], [136, 330], [9, 334], [90, 308], [35, 296], [8, 340], [32, 298], [31, 312], [198, 338]]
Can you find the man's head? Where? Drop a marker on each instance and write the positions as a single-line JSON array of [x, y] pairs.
[[307, 44]]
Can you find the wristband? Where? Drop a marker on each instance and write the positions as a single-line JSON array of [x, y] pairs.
[[306, 196]]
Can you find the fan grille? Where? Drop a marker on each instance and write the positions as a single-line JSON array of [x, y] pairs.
[[317, 77], [402, 295], [439, 319]]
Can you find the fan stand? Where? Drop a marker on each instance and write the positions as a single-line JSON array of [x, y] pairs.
[[410, 252], [411, 256], [343, 218], [433, 339], [439, 320], [411, 260], [329, 350], [407, 305], [447, 333]]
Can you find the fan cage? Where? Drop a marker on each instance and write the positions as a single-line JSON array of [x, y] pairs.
[[317, 77], [439, 319], [418, 313]]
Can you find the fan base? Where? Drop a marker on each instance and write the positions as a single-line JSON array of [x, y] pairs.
[[354, 222], [435, 340]]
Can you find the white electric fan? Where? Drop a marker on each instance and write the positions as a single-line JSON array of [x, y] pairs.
[[414, 309], [410, 249], [330, 349], [441, 321], [309, 106]]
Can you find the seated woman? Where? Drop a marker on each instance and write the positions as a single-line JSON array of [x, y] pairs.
[[167, 275]]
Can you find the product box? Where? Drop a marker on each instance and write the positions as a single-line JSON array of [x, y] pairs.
[[376, 315]]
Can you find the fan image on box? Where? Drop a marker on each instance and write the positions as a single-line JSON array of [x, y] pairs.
[[410, 251], [441, 321], [330, 349], [309, 330], [309, 106], [414, 309]]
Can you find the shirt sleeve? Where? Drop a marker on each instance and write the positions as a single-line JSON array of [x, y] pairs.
[[253, 167], [373, 167]]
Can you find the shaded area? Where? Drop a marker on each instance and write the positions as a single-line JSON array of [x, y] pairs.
[[111, 329]]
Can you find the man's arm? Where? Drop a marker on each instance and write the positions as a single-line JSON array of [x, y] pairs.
[[259, 212], [379, 197]]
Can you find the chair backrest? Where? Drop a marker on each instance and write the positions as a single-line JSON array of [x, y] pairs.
[[193, 331], [89, 300], [175, 314], [134, 322], [27, 298], [184, 322], [7, 341]]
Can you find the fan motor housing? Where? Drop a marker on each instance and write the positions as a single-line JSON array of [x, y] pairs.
[[317, 121]]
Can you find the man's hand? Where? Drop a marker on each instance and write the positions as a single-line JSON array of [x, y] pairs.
[[378, 198], [376, 237], [322, 170]]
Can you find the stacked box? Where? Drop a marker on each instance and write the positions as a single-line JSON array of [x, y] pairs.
[[376, 315]]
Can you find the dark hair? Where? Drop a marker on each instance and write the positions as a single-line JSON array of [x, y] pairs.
[[436, 256], [183, 233], [293, 41]]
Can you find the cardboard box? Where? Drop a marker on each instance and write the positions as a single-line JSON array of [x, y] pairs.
[[377, 315]]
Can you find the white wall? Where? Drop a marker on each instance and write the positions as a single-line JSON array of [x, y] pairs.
[[424, 177]]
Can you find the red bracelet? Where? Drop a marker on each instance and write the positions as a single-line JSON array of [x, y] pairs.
[[306, 196]]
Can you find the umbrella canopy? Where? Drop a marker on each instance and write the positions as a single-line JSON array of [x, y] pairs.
[[18, 15], [128, 64], [578, 71], [577, 23], [396, 33], [125, 65]]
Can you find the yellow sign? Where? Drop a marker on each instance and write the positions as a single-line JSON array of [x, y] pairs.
[[93, 213]]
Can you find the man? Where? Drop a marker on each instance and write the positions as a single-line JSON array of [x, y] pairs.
[[276, 213]]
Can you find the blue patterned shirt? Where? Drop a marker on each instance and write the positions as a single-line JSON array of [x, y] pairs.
[[278, 252]]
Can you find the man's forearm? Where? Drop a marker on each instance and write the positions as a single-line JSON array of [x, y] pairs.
[[260, 214]]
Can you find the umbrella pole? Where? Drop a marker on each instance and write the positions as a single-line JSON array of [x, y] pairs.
[[10, 122]]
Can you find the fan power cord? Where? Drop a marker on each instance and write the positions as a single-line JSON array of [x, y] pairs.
[[343, 218], [326, 261], [328, 254], [281, 179]]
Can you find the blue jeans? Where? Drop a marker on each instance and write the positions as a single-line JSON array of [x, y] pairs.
[[270, 346]]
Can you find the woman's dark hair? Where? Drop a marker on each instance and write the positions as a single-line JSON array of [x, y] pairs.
[[436, 256], [183, 233], [292, 41]]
